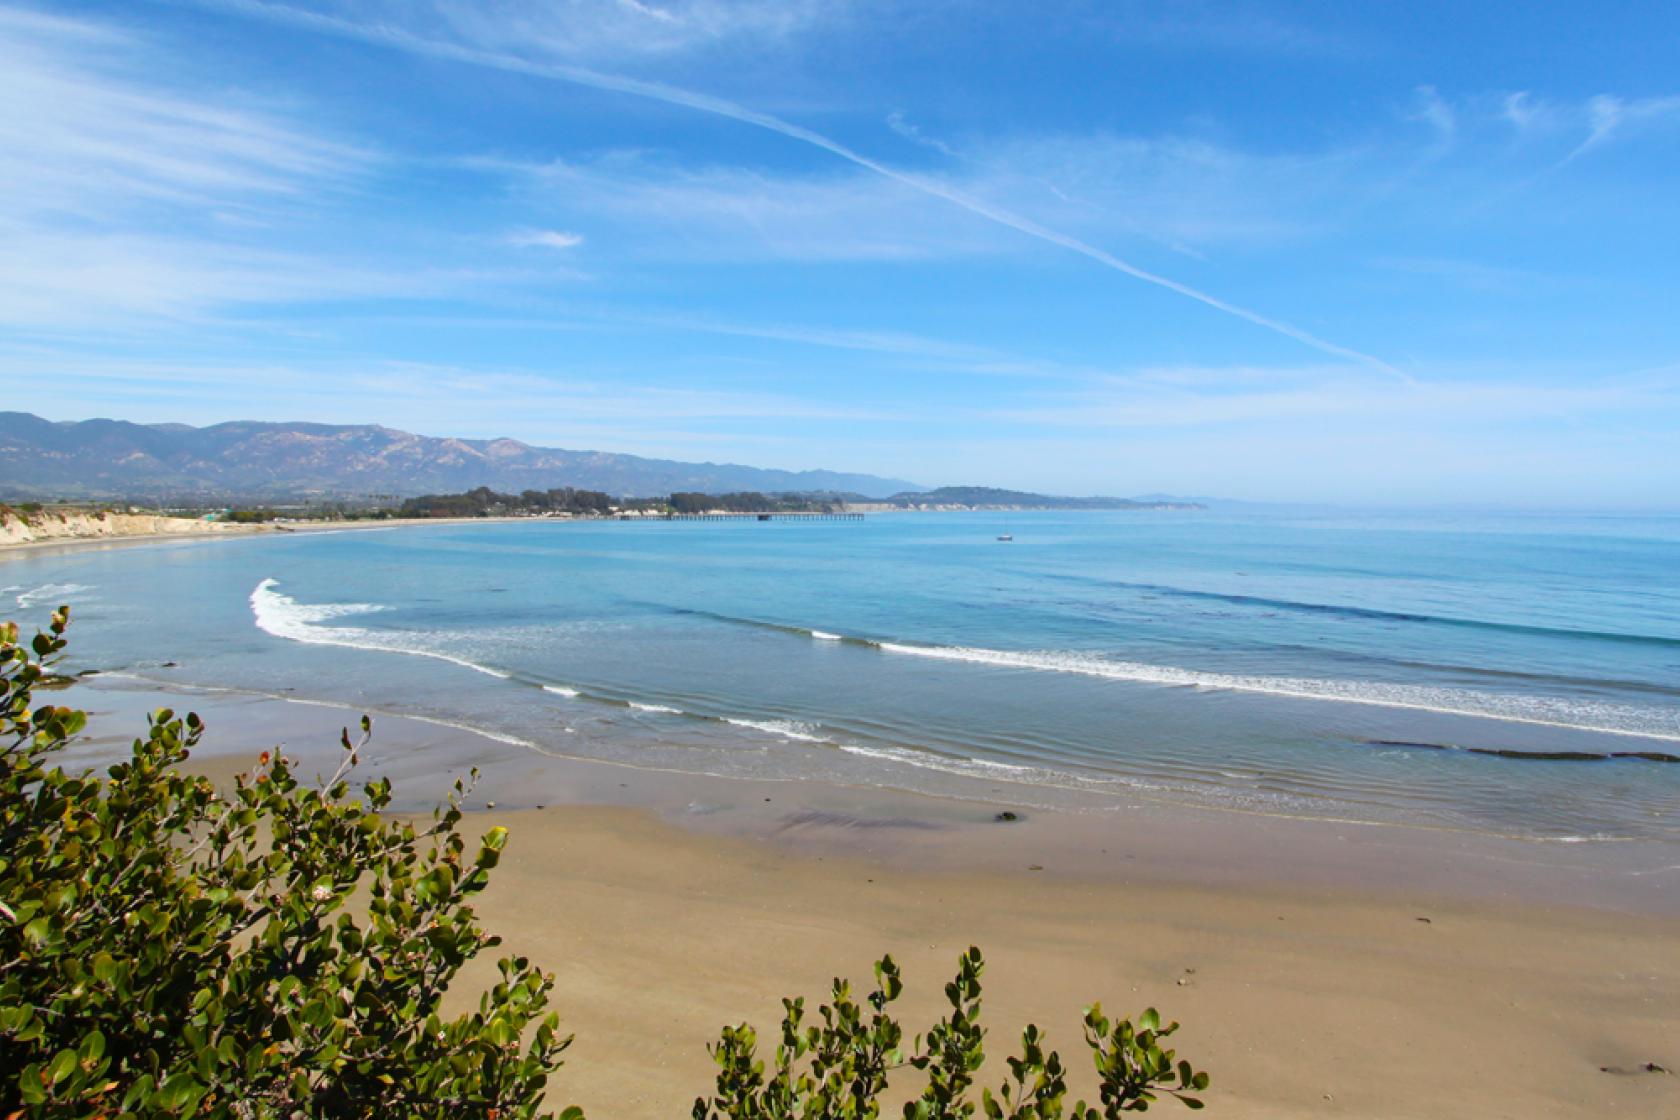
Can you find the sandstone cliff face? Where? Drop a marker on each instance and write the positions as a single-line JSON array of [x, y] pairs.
[[52, 525]]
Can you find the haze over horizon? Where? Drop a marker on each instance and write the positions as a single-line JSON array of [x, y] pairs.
[[1268, 251]]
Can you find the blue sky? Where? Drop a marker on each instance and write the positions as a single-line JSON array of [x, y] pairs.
[[1400, 254]]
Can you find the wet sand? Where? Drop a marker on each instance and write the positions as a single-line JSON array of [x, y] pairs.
[[1319, 970]]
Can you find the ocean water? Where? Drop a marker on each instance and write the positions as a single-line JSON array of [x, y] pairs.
[[1378, 667]]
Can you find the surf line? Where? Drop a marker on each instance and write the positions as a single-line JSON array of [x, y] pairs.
[[1291, 687]]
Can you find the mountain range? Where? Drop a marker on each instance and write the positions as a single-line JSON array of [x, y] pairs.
[[290, 461]]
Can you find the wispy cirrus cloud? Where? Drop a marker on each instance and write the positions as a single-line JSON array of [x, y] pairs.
[[405, 39], [1608, 117], [914, 350], [732, 213], [1261, 397], [900, 122], [1575, 127], [549, 406], [1204, 26], [900, 350], [1434, 110], [1180, 190], [601, 31], [90, 131], [1190, 195], [116, 281], [1451, 438], [132, 191], [1479, 276], [545, 239]]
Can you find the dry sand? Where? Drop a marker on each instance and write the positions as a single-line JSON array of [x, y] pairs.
[[1298, 1003], [1330, 996]]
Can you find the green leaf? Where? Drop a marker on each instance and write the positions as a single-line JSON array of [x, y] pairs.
[[63, 1065], [29, 1085]]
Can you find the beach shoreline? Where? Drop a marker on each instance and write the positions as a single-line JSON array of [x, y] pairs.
[[1128, 842], [71, 542], [669, 905], [227, 531], [193, 530]]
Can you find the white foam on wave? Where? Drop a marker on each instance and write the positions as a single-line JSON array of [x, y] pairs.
[[471, 729], [784, 728], [498, 736], [284, 617], [560, 690], [51, 594], [175, 687], [664, 708], [825, 636], [1579, 715], [988, 769], [1008, 767]]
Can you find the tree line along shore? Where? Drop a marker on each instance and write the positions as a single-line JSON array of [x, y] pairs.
[[27, 522]]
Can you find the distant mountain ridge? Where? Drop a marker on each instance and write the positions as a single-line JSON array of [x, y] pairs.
[[276, 461]]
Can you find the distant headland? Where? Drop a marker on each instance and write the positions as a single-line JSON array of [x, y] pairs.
[[990, 497]]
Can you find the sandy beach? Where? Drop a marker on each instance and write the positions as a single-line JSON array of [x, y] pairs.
[[1353, 988], [1300, 1003]]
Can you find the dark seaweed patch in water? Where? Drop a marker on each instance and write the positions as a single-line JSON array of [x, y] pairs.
[[1528, 756]]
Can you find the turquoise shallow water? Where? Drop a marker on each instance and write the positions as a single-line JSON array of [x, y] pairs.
[[1346, 666]]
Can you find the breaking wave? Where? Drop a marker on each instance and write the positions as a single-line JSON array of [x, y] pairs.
[[284, 617], [1582, 715], [782, 728], [995, 771], [51, 594], [1548, 711]]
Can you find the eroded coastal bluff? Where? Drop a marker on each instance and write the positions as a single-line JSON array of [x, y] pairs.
[[50, 527]]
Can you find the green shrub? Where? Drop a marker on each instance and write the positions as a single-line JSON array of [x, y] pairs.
[[840, 1067], [168, 951]]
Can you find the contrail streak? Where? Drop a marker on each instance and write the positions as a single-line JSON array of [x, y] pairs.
[[400, 39]]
